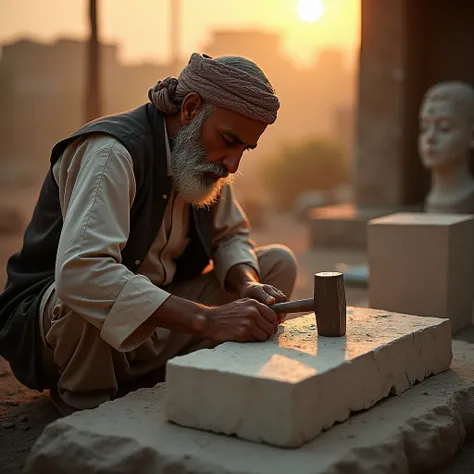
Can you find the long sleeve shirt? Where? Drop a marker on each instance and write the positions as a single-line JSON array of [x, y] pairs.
[[96, 190]]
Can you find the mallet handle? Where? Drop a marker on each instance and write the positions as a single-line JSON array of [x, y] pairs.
[[298, 306]]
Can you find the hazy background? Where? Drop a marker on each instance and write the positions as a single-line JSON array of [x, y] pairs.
[[43, 66], [142, 27]]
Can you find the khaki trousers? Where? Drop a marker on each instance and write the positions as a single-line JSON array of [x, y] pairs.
[[86, 371]]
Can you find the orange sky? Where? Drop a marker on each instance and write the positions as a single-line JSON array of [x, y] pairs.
[[141, 26]]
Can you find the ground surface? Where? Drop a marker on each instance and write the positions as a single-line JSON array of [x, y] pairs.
[[24, 413]]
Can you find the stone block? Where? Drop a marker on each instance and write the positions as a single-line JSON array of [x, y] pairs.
[[417, 431], [423, 264], [289, 389], [339, 226], [344, 226]]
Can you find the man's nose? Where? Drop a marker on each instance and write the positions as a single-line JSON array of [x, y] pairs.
[[232, 162]]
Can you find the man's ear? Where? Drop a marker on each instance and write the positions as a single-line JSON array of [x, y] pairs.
[[190, 108]]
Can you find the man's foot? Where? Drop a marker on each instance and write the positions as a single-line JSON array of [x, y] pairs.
[[63, 408]]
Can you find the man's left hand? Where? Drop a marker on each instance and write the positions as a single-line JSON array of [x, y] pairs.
[[263, 293]]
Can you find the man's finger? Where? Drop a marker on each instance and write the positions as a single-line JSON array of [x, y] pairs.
[[258, 293], [267, 313], [260, 334], [265, 325], [276, 293], [281, 318]]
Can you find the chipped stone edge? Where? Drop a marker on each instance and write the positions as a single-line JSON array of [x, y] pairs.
[[411, 447]]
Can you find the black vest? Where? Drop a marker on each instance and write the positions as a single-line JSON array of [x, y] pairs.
[[31, 270]]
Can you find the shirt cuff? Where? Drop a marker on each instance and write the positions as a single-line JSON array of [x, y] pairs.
[[136, 302], [230, 253]]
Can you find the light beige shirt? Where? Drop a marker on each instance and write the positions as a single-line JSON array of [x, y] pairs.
[[96, 191]]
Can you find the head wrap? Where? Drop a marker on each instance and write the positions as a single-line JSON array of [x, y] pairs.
[[219, 84]]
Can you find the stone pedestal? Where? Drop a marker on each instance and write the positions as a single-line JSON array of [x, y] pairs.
[[340, 226], [423, 264], [345, 225], [289, 389], [417, 431]]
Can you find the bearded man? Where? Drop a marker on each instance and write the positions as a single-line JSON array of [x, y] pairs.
[[137, 250]]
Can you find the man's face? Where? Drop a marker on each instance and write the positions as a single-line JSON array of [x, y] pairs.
[[445, 138], [207, 152]]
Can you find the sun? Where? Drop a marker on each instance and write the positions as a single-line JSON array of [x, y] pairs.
[[310, 10]]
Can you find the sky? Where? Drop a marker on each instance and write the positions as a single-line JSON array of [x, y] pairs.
[[141, 27]]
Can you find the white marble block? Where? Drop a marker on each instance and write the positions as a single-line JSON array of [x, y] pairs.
[[423, 264], [287, 390]]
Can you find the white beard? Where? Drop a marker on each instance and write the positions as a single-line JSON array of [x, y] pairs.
[[188, 164]]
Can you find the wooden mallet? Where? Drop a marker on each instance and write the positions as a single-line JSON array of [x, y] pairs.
[[329, 304]]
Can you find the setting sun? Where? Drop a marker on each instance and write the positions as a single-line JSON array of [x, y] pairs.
[[310, 10]]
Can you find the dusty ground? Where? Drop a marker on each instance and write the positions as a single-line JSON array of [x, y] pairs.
[[24, 413]]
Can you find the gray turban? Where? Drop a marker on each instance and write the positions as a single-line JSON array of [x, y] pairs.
[[219, 84]]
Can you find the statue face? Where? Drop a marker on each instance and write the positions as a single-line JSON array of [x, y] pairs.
[[445, 138]]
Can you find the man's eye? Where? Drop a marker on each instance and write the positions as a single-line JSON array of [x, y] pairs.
[[227, 141]]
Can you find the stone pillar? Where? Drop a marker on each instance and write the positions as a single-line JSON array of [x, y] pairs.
[[387, 173], [378, 154]]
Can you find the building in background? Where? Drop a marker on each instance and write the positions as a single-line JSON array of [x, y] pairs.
[[43, 88]]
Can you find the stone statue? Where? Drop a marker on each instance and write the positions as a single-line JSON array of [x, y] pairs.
[[445, 142]]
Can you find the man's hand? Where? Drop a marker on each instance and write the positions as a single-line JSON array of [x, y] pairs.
[[264, 293], [261, 292], [243, 280], [244, 320]]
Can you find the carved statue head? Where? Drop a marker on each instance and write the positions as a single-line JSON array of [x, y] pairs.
[[446, 125]]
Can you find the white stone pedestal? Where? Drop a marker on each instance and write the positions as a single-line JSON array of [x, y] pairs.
[[285, 391], [417, 431], [423, 264]]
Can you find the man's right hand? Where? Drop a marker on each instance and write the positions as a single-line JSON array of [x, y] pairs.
[[244, 320]]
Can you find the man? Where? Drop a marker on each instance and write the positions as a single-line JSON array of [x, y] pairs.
[[114, 277]]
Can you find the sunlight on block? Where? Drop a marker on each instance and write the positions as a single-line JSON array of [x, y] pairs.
[[287, 390]]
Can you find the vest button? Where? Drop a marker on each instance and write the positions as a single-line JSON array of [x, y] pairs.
[[165, 196], [137, 262]]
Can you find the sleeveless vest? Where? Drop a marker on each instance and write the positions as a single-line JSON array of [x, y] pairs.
[[31, 270]]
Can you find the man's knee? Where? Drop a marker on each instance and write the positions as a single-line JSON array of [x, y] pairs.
[[284, 258], [278, 266]]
